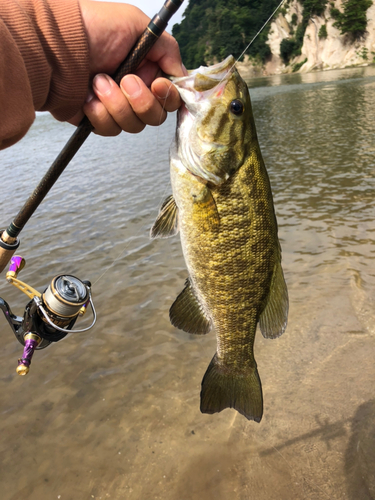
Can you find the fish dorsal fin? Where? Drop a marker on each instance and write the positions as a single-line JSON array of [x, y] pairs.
[[166, 223], [274, 317], [205, 211], [187, 314]]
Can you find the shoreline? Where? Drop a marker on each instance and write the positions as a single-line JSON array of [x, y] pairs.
[[249, 70]]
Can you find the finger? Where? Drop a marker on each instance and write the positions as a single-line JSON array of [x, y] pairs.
[[143, 102], [111, 32], [167, 94], [117, 105], [166, 53], [100, 118], [148, 72], [76, 119]]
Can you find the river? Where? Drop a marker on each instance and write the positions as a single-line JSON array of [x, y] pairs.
[[113, 413]]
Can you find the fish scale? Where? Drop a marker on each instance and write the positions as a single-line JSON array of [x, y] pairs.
[[222, 205]]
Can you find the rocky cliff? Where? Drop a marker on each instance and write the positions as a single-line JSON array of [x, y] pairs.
[[317, 53]]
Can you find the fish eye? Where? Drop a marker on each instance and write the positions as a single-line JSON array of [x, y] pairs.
[[236, 107]]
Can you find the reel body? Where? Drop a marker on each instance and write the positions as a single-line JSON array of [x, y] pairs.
[[48, 317]]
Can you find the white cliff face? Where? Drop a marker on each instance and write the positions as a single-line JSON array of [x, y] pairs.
[[335, 51], [279, 30], [332, 52]]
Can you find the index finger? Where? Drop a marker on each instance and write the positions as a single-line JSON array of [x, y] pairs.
[[166, 53]]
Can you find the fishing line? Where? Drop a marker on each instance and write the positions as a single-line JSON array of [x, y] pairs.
[[262, 28], [157, 140]]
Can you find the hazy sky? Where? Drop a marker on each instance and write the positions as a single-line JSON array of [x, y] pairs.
[[152, 7]]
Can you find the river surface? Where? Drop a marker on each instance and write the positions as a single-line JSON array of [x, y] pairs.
[[113, 413]]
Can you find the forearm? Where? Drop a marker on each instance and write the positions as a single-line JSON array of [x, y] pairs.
[[44, 63]]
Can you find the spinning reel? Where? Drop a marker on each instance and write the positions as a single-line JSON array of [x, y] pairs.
[[49, 316]]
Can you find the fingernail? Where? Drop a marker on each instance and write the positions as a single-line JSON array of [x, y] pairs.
[[102, 84], [130, 86], [90, 96], [184, 70]]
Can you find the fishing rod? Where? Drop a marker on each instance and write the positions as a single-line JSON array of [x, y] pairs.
[[51, 315]]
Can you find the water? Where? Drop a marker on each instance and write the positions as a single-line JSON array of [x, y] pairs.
[[114, 413]]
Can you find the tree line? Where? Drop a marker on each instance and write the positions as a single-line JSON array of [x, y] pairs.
[[213, 29]]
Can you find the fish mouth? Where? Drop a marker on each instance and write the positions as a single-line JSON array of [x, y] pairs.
[[203, 82], [216, 71], [198, 91]]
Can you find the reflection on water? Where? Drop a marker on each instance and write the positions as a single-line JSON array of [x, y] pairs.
[[114, 412]]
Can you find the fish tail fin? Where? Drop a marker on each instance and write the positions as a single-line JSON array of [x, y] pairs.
[[222, 388]]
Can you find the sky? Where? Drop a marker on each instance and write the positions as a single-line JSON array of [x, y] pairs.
[[152, 7]]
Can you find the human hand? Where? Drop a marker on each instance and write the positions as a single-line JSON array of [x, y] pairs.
[[141, 99]]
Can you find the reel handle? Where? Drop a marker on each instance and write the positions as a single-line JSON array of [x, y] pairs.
[[32, 340], [17, 263]]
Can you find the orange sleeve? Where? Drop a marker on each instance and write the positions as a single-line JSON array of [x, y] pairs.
[[44, 63]]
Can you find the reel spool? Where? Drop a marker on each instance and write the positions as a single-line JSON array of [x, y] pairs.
[[48, 317], [64, 298]]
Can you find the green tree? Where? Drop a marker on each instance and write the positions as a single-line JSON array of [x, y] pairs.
[[287, 49], [335, 13], [313, 8], [323, 31], [353, 21], [213, 29], [291, 47]]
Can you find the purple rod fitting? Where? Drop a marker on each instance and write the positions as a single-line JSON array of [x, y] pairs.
[[16, 264], [30, 345]]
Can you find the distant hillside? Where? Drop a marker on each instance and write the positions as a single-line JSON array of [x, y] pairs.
[[341, 35], [305, 34], [213, 29]]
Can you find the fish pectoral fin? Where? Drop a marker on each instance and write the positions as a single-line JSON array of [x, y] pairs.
[[223, 388], [166, 223], [205, 210], [187, 314], [274, 317]]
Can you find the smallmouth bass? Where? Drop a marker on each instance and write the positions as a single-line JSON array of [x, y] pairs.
[[222, 205]]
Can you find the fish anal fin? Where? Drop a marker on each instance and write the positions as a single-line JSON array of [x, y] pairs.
[[187, 314], [166, 223], [205, 211], [274, 317], [222, 388]]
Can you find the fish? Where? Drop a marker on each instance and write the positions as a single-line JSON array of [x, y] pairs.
[[222, 206]]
